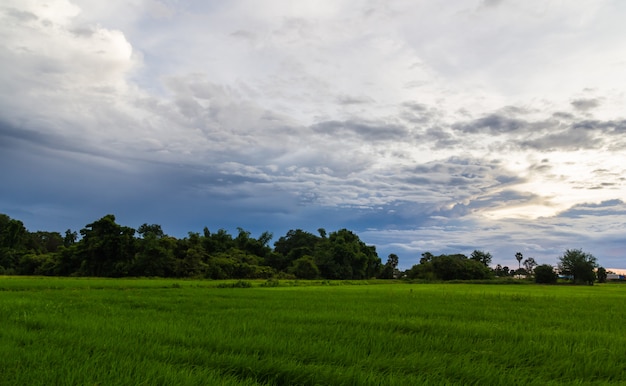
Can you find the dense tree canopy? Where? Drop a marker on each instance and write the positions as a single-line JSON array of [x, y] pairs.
[[452, 267], [544, 274], [106, 248]]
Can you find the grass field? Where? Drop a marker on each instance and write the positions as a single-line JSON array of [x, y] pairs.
[[56, 331]]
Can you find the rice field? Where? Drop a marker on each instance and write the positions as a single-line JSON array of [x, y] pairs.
[[73, 331]]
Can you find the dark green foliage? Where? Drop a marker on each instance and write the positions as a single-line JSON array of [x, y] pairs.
[[545, 274], [529, 266], [70, 238], [501, 271], [481, 257], [344, 256], [43, 242], [601, 274], [294, 245], [449, 267], [237, 284], [579, 265], [271, 283], [519, 257], [305, 268], [107, 248], [390, 269]]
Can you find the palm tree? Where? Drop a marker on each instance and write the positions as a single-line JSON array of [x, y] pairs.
[[519, 258]]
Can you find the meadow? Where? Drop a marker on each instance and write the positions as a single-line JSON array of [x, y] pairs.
[[78, 331]]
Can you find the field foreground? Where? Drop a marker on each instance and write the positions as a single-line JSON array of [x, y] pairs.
[[59, 331]]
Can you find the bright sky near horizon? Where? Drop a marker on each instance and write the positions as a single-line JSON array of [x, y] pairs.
[[435, 126]]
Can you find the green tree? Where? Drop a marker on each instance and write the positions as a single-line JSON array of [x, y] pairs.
[[459, 267], [294, 245], [501, 271], [529, 265], [342, 255], [481, 257], [579, 265], [545, 274], [601, 274], [41, 242], [305, 268], [390, 269], [154, 253], [13, 236], [70, 238], [106, 248], [519, 257]]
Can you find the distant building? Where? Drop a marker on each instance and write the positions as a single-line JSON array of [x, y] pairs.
[[616, 274]]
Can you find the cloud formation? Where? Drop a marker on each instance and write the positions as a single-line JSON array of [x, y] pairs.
[[423, 126]]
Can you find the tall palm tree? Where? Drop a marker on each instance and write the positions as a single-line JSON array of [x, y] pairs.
[[519, 258]]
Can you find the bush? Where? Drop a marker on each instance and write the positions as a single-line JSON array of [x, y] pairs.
[[237, 284], [544, 274], [271, 283]]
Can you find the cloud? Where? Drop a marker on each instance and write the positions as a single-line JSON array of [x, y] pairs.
[[367, 131], [585, 104], [434, 126], [570, 139]]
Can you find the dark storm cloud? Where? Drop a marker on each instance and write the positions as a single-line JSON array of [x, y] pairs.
[[15, 136]]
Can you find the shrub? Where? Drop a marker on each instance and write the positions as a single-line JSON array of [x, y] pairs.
[[237, 284], [271, 283]]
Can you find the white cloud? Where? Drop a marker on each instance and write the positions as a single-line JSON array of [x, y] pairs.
[[402, 111]]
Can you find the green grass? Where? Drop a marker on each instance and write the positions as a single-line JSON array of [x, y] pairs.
[[77, 331]]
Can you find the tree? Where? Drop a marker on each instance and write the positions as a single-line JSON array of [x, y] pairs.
[[519, 258], [70, 238], [602, 275], [342, 255], [154, 256], [106, 248], [459, 267], [481, 257], [294, 245], [13, 235], [305, 268], [579, 265], [544, 274], [529, 265], [153, 230], [390, 268]]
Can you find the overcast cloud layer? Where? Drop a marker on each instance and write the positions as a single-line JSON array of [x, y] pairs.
[[423, 126]]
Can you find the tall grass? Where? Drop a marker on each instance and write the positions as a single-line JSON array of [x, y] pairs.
[[152, 332]]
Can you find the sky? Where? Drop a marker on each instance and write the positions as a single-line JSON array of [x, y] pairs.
[[496, 125]]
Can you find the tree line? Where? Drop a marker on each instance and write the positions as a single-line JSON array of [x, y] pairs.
[[108, 249]]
